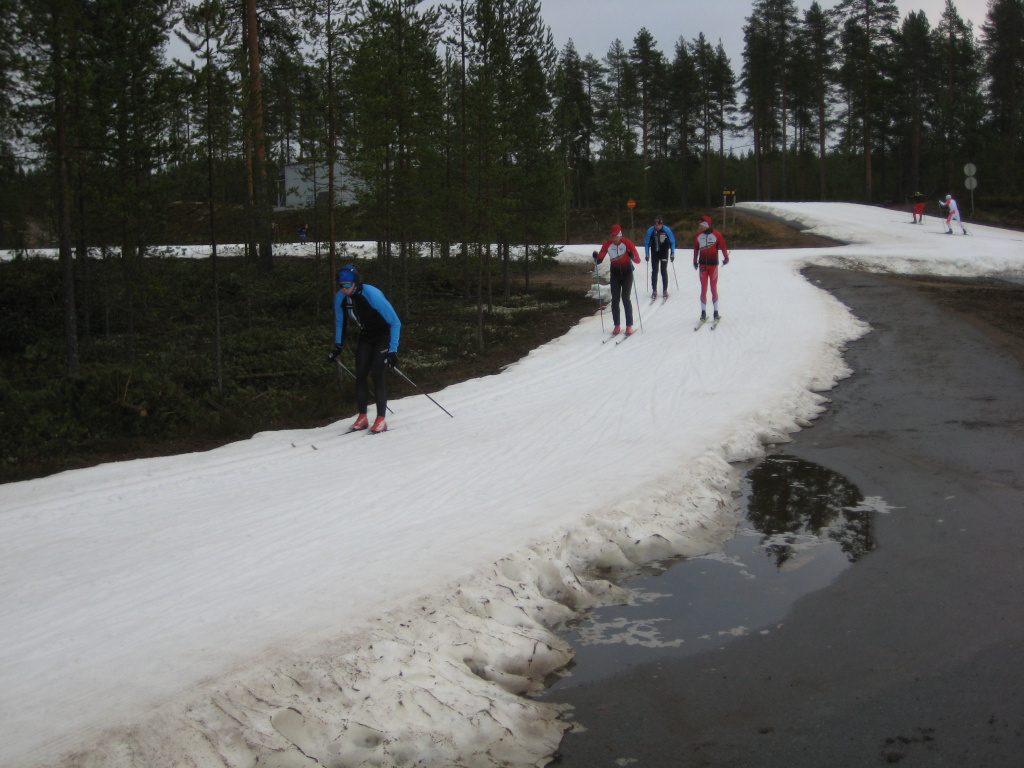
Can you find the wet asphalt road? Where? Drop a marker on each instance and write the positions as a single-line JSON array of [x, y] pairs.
[[914, 656]]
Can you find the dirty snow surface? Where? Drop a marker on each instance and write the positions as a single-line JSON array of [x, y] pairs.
[[320, 598]]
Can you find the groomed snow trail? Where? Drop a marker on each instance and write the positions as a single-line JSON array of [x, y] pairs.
[[373, 600]]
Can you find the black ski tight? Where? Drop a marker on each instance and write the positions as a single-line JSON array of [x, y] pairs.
[[622, 284], [370, 359], [663, 262]]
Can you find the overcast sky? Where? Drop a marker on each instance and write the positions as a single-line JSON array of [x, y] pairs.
[[594, 24]]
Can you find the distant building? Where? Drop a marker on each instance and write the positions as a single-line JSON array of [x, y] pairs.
[[300, 185]]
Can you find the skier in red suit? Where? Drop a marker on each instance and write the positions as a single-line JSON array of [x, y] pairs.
[[706, 245], [622, 252]]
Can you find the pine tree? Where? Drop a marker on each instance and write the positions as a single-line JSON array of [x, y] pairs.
[[327, 24], [256, 144], [646, 65], [573, 123], [769, 38], [618, 173], [53, 69], [724, 94], [868, 30], [10, 216], [530, 179], [680, 92], [395, 124], [816, 44], [207, 28], [1003, 44], [916, 63], [705, 65], [959, 107], [8, 75], [593, 80], [758, 85]]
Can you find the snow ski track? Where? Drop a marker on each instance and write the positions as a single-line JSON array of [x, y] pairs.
[[208, 582]]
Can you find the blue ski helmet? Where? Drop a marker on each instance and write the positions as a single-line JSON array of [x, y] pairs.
[[348, 274]]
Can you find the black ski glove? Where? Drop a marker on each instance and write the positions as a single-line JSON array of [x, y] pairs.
[[333, 354], [647, 258], [595, 256], [391, 360], [672, 258]]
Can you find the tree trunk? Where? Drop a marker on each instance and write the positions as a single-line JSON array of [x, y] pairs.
[[64, 200], [266, 254], [821, 133]]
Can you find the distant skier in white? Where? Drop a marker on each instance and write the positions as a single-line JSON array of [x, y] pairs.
[[952, 215]]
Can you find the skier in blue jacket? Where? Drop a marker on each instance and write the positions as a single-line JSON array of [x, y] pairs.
[[377, 348], [660, 239]]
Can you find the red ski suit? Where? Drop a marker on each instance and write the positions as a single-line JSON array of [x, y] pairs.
[[706, 245], [623, 255]]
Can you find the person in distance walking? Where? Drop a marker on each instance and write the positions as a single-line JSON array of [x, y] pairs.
[[622, 252], [377, 347]]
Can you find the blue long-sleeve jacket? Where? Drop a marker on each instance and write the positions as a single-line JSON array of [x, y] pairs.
[[372, 313], [657, 240]]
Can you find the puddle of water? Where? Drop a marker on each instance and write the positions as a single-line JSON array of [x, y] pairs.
[[804, 525]]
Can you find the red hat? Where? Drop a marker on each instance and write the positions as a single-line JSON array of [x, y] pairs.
[[616, 230], [705, 220]]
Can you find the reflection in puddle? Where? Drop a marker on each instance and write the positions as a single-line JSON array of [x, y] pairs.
[[795, 504], [804, 525]]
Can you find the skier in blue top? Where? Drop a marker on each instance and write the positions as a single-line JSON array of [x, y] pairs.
[[377, 348], [660, 239]]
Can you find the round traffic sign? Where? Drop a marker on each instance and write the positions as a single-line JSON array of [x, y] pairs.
[[631, 203], [970, 170], [970, 182]]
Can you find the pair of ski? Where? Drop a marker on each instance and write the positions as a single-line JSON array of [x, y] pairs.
[[619, 337], [704, 321], [350, 430], [663, 300]]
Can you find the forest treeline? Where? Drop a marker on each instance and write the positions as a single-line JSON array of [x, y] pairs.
[[462, 123]]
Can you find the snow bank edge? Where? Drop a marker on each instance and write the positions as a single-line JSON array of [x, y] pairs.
[[447, 680]]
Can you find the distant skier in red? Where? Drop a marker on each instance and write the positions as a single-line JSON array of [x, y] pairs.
[[706, 245], [918, 208], [622, 252]]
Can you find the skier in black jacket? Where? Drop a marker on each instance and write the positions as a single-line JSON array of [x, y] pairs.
[[377, 348], [662, 242]]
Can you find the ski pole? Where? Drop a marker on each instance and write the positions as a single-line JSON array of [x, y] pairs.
[[600, 299], [674, 273], [399, 372], [638, 315], [346, 370]]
